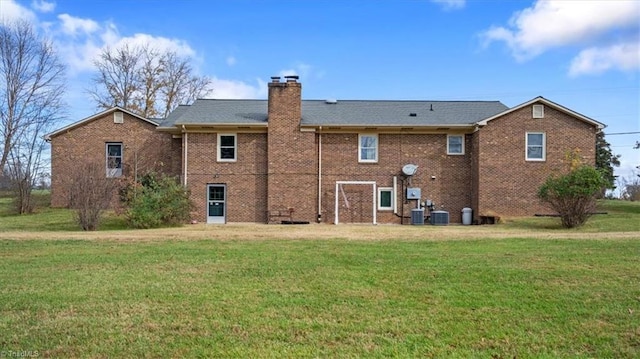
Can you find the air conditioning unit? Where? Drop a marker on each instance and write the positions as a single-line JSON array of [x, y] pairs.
[[439, 218]]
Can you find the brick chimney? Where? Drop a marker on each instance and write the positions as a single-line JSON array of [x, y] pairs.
[[292, 155], [284, 100]]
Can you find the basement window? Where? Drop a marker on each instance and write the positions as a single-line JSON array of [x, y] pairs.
[[227, 147], [368, 148], [455, 144], [385, 198], [114, 159]]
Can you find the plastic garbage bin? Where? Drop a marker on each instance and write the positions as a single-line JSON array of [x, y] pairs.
[[467, 216]]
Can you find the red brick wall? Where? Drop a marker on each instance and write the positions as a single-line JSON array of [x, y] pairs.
[[450, 190], [86, 144], [246, 179], [507, 183]]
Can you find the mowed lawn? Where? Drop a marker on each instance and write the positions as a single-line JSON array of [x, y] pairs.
[[525, 293]]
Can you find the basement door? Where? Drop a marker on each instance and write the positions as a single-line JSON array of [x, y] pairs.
[[216, 203]]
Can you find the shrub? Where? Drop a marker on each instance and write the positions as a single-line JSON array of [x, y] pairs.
[[156, 200], [90, 194], [573, 195]]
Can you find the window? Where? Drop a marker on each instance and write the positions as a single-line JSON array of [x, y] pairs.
[[535, 146], [385, 198], [114, 159], [227, 148], [538, 111], [455, 144], [368, 148]]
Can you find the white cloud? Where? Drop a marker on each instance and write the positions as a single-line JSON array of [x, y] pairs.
[[12, 11], [231, 61], [596, 60], [42, 5], [80, 42], [232, 89], [300, 69], [558, 23], [451, 4], [74, 25]]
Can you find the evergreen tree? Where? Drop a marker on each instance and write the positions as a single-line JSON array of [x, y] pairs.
[[606, 160]]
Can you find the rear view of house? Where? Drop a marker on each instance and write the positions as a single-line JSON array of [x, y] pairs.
[[335, 161]]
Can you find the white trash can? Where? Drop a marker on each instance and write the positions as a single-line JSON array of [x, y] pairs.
[[467, 216]]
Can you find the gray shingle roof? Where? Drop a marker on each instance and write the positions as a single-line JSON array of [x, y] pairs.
[[345, 113], [224, 111], [398, 113]]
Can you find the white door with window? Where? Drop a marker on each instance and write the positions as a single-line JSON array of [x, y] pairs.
[[217, 203]]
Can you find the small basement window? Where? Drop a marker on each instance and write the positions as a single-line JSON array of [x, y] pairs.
[[538, 111], [385, 199]]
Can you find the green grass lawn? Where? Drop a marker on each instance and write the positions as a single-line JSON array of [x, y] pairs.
[[321, 298], [532, 290]]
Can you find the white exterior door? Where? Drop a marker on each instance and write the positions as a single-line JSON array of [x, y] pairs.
[[217, 203]]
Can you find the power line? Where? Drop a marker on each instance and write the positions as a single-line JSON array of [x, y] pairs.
[[622, 133]]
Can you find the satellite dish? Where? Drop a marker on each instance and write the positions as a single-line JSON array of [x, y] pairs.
[[409, 170]]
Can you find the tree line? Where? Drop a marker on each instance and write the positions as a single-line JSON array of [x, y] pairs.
[[140, 79]]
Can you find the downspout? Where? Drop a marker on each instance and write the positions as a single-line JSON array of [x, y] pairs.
[[395, 195], [319, 220], [185, 148]]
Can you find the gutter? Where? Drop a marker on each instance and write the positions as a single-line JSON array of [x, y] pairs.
[[319, 220], [185, 140]]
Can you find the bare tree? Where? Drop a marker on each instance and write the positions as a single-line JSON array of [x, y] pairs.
[[90, 194], [181, 87], [145, 81], [31, 90], [118, 77]]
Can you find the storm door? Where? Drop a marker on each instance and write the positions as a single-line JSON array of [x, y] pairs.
[[216, 203]]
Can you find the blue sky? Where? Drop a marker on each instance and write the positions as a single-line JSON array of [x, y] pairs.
[[584, 55]]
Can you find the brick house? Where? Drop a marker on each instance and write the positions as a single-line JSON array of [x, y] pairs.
[[336, 161]]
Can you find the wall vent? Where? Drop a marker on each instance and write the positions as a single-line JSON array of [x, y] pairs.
[[538, 111], [118, 117]]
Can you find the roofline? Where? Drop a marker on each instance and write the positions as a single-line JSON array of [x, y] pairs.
[[219, 124], [599, 125], [93, 117], [414, 125]]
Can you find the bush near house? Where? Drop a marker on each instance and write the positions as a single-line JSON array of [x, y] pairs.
[[156, 200], [573, 195]]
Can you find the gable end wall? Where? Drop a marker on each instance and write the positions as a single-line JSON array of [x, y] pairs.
[[507, 184]]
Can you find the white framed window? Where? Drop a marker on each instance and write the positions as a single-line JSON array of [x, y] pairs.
[[114, 159], [455, 144], [538, 111], [367, 148], [385, 198], [227, 147], [536, 146]]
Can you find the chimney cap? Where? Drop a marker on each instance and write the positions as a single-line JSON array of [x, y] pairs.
[[275, 78], [292, 78]]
